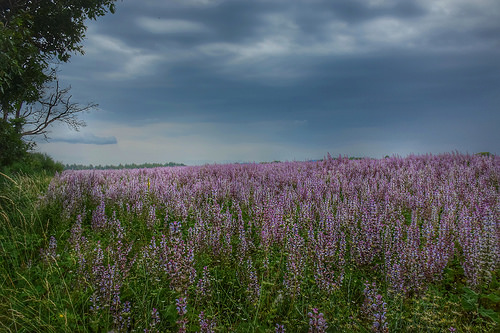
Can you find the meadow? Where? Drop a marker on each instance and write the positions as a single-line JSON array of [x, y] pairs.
[[391, 245]]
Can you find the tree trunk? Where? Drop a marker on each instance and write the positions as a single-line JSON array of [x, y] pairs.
[[18, 125], [18, 110]]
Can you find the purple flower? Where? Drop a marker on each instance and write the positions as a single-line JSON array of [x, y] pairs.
[[181, 304], [206, 325], [317, 322], [49, 254], [280, 328], [203, 286], [375, 308]]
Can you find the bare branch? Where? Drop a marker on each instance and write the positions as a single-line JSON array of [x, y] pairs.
[[56, 107]]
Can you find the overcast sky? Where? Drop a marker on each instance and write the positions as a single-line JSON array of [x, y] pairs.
[[212, 81]]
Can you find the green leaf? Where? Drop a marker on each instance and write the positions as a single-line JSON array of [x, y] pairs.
[[493, 297], [494, 284], [469, 306], [469, 291], [469, 299], [489, 313]]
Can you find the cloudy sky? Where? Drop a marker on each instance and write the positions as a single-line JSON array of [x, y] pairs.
[[213, 81]]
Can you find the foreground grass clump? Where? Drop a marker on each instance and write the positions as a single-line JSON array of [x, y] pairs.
[[399, 244]]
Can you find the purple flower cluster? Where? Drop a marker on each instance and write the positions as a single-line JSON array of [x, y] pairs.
[[253, 289], [405, 219], [49, 254], [105, 271], [124, 318], [317, 322], [204, 285], [154, 321], [327, 248], [206, 325], [181, 304], [375, 308], [296, 259], [280, 328], [171, 259]]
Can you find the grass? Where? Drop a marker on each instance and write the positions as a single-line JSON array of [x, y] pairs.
[[50, 293]]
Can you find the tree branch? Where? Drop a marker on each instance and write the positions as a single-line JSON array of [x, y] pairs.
[[56, 107]]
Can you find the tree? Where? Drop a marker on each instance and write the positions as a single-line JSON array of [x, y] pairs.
[[36, 35]]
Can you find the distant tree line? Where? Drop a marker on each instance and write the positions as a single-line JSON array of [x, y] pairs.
[[121, 166]]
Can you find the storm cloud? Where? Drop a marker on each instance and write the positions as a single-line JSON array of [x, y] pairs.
[[405, 77], [87, 139]]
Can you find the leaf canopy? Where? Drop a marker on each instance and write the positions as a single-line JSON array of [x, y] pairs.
[[34, 36]]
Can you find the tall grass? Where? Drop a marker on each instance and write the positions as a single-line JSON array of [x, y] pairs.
[[31, 292]]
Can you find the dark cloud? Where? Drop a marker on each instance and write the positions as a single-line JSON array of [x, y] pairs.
[[376, 86], [88, 138], [393, 69], [354, 11], [241, 21], [228, 21]]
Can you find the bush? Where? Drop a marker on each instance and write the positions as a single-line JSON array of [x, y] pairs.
[[15, 154], [13, 149], [43, 162], [33, 163]]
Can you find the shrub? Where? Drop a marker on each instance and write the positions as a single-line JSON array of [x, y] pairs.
[[13, 149]]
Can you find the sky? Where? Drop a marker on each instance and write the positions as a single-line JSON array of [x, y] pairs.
[[214, 81]]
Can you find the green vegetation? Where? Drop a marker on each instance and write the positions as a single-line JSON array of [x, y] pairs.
[[45, 287], [16, 155], [25, 284], [30, 163], [13, 148], [35, 36]]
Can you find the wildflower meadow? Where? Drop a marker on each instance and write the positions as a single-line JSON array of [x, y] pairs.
[[337, 245]]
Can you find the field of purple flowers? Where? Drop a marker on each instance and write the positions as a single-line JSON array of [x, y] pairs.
[[397, 244]]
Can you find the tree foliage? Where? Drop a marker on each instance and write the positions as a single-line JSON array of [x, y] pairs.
[[23, 69], [36, 35], [12, 148], [56, 27]]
